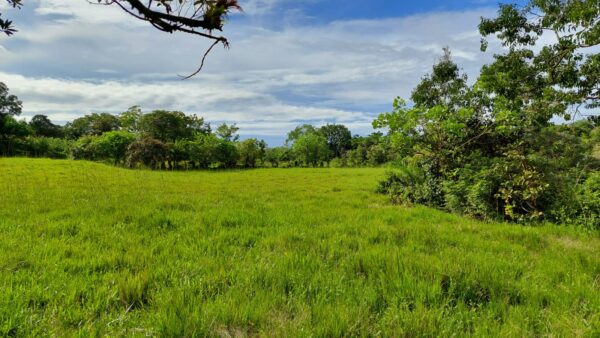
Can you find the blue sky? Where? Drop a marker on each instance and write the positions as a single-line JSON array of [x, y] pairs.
[[326, 11], [290, 62]]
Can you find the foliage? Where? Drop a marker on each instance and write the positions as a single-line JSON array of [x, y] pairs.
[[114, 145], [409, 183], [588, 195], [491, 150], [187, 142], [85, 148], [228, 132], [168, 126], [251, 152], [203, 151], [148, 152], [92, 124], [278, 155], [226, 155], [12, 131], [339, 138], [311, 149], [10, 105], [42, 126], [298, 132], [130, 120], [565, 73], [50, 147]]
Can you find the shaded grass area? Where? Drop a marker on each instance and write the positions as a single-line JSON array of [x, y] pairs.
[[94, 250]]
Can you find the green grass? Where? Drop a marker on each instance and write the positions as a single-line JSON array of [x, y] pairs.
[[92, 250]]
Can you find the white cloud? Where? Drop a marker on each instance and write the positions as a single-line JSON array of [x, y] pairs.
[[83, 11], [95, 59]]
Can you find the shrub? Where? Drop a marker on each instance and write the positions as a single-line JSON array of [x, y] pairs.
[[147, 152], [113, 145], [589, 199], [411, 183], [85, 148]]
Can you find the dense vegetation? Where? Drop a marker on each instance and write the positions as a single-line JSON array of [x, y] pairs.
[[173, 140], [491, 149], [93, 250]]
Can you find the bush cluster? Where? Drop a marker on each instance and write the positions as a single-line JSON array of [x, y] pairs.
[[173, 140]]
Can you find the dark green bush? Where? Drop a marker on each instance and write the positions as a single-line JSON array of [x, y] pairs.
[[411, 183], [147, 152], [42, 147]]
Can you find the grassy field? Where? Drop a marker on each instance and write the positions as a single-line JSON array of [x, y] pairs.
[[92, 250]]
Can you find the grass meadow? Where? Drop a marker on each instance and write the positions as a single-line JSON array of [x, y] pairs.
[[92, 250]]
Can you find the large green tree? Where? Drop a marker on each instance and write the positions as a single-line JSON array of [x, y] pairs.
[[228, 132], [298, 132], [560, 78], [251, 152], [42, 126], [492, 150], [92, 124], [339, 138], [168, 126], [10, 107], [311, 149]]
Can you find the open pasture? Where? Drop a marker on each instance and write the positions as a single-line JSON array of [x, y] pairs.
[[92, 250]]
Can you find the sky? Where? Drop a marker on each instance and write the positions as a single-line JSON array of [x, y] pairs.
[[290, 62]]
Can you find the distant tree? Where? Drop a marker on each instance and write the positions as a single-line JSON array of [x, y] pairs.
[[311, 149], [377, 155], [85, 148], [204, 150], [10, 107], [226, 154], [45, 147], [262, 145], [14, 129], [228, 132], [299, 132], [371, 150], [114, 144], [92, 124], [130, 119], [42, 126], [149, 152], [250, 153], [273, 156], [168, 126], [339, 138], [444, 86]]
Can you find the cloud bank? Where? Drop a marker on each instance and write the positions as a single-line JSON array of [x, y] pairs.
[[75, 58]]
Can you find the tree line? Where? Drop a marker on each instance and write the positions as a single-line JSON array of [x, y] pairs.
[[172, 140]]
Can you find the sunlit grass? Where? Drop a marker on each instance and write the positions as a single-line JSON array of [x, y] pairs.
[[90, 249]]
